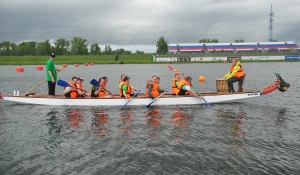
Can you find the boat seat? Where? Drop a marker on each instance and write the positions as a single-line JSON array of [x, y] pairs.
[[240, 84]]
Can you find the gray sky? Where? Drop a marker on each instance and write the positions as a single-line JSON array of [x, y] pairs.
[[138, 24]]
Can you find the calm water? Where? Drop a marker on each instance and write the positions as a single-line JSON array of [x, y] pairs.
[[257, 136]]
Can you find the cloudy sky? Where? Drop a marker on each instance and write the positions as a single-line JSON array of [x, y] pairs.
[[138, 24]]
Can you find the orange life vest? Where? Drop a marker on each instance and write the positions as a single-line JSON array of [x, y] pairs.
[[102, 90], [239, 73], [79, 86], [154, 91], [180, 90], [127, 92], [73, 92], [175, 89]]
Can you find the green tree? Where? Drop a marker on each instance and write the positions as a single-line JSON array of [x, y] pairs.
[[95, 49], [21, 48], [208, 41], [43, 48], [140, 52], [162, 46], [14, 49], [61, 46], [107, 50], [30, 48], [239, 41], [79, 46]]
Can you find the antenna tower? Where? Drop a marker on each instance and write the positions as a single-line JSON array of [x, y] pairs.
[[271, 25]]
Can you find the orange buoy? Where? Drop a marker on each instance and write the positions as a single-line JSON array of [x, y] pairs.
[[92, 64], [76, 65], [86, 64], [64, 65], [224, 62], [175, 70], [39, 67], [19, 69], [201, 78]]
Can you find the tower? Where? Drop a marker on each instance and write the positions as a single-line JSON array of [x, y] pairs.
[[271, 25]]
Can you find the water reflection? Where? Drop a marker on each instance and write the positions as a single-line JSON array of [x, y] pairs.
[[99, 122], [54, 130], [126, 120], [180, 121], [153, 121], [229, 126], [74, 118]]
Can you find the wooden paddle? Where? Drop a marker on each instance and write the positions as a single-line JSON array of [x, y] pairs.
[[154, 100], [34, 87]]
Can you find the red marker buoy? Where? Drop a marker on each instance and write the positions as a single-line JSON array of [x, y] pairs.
[[19, 69], [76, 65], [64, 65], [86, 64], [92, 64], [39, 67]]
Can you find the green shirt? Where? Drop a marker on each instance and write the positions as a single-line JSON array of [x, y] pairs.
[[50, 67], [124, 88]]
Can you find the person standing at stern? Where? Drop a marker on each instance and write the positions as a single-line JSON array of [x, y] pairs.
[[51, 74]]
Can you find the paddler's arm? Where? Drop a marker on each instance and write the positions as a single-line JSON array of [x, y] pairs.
[[150, 87], [135, 89], [191, 92], [124, 89]]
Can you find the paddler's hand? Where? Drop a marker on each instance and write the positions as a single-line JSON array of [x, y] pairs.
[[166, 90], [112, 95], [200, 97], [53, 81], [128, 99]]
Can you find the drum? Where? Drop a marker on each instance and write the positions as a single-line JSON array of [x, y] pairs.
[[222, 86]]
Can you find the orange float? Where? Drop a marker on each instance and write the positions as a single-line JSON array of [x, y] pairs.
[[201, 78], [76, 65], [86, 64], [92, 64], [64, 65], [19, 69], [39, 67]]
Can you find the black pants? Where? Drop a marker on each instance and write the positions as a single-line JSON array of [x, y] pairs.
[[131, 95], [51, 88], [230, 83]]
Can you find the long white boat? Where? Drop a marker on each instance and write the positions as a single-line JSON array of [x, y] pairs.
[[167, 99], [139, 100]]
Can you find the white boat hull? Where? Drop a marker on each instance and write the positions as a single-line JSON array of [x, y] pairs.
[[167, 100]]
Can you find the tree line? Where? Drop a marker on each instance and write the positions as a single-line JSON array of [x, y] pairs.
[[77, 46]]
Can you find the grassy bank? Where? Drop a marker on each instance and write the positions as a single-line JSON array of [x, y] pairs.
[[110, 59]]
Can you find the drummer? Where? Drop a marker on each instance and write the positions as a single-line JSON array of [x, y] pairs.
[[235, 74]]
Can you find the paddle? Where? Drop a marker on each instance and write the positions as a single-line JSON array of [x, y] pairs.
[[129, 100], [154, 100], [66, 84], [26, 93], [95, 83]]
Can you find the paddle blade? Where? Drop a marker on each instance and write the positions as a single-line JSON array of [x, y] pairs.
[[62, 83], [207, 104], [149, 104], [94, 82]]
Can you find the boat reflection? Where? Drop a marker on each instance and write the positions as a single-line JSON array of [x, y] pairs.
[[54, 139], [99, 122], [127, 121], [74, 117], [180, 121], [153, 118], [230, 126]]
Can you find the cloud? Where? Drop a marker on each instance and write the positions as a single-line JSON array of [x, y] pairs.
[[136, 22]]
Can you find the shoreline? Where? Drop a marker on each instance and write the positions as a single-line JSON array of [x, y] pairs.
[[110, 59]]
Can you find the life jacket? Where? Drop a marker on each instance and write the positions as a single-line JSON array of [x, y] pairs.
[[240, 72], [175, 89], [93, 90], [79, 86], [154, 91], [73, 92], [180, 85], [120, 87], [102, 90], [127, 92]]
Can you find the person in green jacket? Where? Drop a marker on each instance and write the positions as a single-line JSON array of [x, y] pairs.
[[51, 74]]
